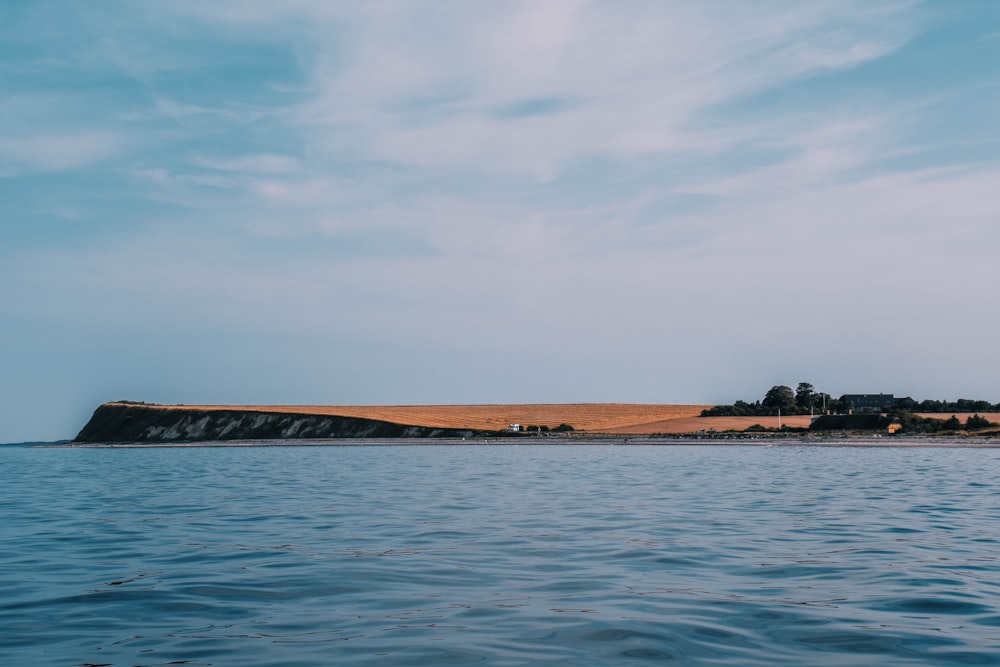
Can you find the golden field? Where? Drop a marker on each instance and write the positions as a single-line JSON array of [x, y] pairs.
[[589, 417], [695, 424], [961, 416]]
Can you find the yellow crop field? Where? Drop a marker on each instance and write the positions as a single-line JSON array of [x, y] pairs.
[[695, 424], [961, 416]]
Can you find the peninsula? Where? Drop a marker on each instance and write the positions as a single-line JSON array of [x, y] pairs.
[[136, 422], [127, 421]]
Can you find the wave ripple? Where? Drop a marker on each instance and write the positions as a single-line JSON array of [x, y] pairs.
[[499, 555]]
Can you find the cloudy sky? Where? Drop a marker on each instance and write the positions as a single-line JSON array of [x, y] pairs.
[[494, 202]]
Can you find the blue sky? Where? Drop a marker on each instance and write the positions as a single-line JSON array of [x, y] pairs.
[[473, 202]]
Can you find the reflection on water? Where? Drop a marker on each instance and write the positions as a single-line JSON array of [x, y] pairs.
[[499, 555]]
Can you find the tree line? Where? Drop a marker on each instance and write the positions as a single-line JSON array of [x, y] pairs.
[[912, 423], [804, 400]]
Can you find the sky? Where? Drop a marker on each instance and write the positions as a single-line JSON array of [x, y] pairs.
[[316, 202]]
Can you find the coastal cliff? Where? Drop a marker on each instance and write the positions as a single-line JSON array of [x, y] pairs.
[[129, 422]]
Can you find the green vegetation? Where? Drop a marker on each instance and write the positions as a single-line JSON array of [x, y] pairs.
[[778, 398], [805, 400], [961, 405], [977, 423], [912, 423]]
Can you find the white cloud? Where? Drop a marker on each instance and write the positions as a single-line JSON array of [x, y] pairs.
[[642, 77], [60, 151], [262, 163], [180, 187]]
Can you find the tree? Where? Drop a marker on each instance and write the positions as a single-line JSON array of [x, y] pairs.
[[970, 405], [779, 397], [977, 422], [804, 395]]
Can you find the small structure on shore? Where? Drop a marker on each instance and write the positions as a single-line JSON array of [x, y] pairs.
[[862, 423], [515, 428]]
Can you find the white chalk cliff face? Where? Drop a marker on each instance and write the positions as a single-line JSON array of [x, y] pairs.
[[143, 423]]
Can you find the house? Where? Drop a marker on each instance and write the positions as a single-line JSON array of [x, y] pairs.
[[868, 402], [515, 428], [861, 423]]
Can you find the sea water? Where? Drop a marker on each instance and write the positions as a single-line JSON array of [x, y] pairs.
[[500, 555]]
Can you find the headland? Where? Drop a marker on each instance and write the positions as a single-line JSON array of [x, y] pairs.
[[126, 422]]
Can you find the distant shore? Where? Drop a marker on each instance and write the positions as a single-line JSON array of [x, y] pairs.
[[750, 440], [133, 423]]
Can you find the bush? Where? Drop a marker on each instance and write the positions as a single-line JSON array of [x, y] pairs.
[[977, 423], [911, 423], [757, 428]]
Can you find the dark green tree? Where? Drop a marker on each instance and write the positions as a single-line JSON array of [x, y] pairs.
[[971, 405], [976, 422], [804, 396], [779, 397]]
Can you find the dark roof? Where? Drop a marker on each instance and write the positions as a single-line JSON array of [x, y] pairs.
[[867, 422], [869, 400], [884, 397]]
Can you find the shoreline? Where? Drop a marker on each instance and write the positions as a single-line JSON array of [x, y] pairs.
[[575, 440]]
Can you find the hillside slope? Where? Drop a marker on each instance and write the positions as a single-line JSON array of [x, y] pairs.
[[125, 422]]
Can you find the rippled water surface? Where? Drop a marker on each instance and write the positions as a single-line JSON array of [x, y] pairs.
[[500, 555]]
